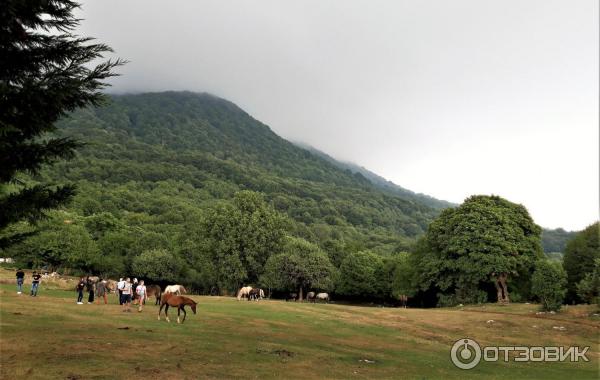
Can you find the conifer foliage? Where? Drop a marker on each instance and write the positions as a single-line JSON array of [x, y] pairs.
[[46, 71]]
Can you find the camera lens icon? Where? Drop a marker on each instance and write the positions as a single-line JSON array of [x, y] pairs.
[[465, 353]]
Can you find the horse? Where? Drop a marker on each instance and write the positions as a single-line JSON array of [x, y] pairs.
[[244, 292], [403, 300], [175, 289], [256, 294], [322, 297], [111, 286], [170, 299], [154, 290], [310, 297], [291, 296]]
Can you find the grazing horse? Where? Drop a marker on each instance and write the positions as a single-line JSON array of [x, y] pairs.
[[111, 286], [291, 296], [322, 297], [154, 290], [244, 292], [256, 294], [170, 299], [310, 297], [175, 289], [403, 300]]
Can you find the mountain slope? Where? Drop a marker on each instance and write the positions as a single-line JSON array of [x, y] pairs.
[[380, 182], [216, 148]]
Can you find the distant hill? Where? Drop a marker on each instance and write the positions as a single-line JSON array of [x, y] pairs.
[[381, 182], [556, 240]]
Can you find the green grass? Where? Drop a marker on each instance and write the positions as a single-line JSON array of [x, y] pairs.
[[52, 337]]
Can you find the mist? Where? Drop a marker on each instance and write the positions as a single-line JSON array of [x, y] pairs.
[[445, 98]]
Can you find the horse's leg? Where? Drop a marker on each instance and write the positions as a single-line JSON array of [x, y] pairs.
[[184, 313], [178, 313], [159, 310], [166, 312]]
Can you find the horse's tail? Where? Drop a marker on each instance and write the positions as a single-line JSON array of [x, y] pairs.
[[182, 289]]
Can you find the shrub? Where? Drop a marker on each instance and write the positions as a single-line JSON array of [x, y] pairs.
[[549, 283]]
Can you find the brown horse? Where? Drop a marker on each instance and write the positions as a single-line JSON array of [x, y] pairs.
[[169, 299], [154, 290]]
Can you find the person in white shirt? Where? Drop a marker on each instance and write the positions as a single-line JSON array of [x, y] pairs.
[[141, 292], [126, 298], [120, 286]]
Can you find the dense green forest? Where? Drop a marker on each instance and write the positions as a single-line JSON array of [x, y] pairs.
[[155, 165]]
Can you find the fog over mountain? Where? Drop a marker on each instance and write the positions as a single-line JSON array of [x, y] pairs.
[[443, 98]]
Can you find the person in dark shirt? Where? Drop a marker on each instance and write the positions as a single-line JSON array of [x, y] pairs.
[[20, 280], [80, 286], [90, 288], [35, 283]]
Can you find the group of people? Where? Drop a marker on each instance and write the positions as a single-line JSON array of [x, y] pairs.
[[35, 282], [128, 292]]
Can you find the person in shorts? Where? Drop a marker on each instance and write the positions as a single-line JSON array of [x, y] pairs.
[[126, 296], [120, 286], [101, 291], [141, 292]]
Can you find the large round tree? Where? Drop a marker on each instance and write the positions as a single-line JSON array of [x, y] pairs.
[[486, 239]]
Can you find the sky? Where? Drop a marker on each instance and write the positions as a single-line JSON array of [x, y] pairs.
[[447, 98]]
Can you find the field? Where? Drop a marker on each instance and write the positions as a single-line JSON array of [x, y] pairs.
[[51, 337]]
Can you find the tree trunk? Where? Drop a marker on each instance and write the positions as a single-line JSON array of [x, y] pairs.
[[501, 287], [503, 277], [498, 289], [300, 295]]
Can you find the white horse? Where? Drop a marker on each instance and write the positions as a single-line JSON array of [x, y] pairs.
[[322, 297], [244, 292], [175, 289]]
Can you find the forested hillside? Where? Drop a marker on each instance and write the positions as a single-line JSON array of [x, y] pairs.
[[380, 182], [157, 165], [554, 241]]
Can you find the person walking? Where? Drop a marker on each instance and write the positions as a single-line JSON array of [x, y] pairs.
[[35, 283], [80, 286], [126, 297], [120, 286], [101, 291], [20, 280], [89, 283], [134, 294], [141, 292]]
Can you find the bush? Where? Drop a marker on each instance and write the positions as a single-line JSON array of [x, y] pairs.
[[588, 289], [549, 283]]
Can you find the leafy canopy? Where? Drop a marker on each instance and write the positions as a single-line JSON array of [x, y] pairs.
[[467, 246]]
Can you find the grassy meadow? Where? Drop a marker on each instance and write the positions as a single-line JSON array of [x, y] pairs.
[[51, 337]]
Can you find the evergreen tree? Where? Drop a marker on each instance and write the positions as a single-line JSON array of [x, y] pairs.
[[45, 73]]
